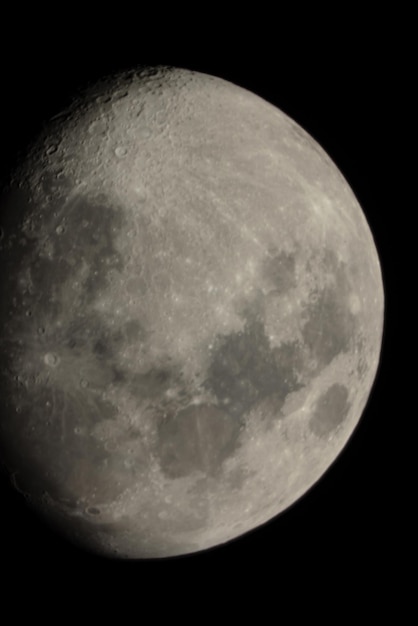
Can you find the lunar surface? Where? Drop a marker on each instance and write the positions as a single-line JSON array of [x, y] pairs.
[[191, 307]]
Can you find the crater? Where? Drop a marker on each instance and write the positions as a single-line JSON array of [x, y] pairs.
[[93, 510], [51, 359], [330, 411]]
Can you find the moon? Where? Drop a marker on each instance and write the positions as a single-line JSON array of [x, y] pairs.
[[192, 312]]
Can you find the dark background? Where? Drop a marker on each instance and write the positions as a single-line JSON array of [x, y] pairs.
[[347, 88]]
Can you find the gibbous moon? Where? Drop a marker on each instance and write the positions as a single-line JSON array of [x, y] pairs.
[[191, 308]]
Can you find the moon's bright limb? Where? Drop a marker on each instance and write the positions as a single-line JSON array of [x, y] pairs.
[[192, 311]]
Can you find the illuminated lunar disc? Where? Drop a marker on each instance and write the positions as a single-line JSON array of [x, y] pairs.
[[191, 308]]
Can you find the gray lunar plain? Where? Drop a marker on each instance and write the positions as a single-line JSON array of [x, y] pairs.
[[192, 310]]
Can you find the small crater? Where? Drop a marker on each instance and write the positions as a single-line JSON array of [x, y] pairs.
[[103, 99], [60, 229], [51, 359], [51, 149], [119, 95], [93, 510], [121, 152], [97, 127]]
